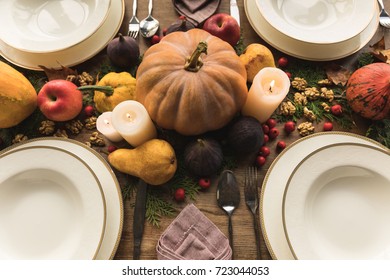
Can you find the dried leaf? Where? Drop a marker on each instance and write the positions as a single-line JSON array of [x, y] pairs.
[[54, 74], [338, 74], [380, 52]]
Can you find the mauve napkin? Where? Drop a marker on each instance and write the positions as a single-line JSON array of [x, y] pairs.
[[196, 11], [192, 236]]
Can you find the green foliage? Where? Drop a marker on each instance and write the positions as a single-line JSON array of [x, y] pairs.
[[380, 132], [157, 207]]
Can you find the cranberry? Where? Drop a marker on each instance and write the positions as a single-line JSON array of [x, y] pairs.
[[328, 126], [336, 110], [264, 151], [89, 110], [180, 195], [260, 161], [204, 183], [271, 123], [289, 75], [164, 31], [289, 126], [283, 62], [281, 145], [273, 133], [111, 148], [155, 39], [266, 138], [265, 128]]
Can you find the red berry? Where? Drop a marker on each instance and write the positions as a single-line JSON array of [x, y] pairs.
[[89, 110], [180, 194], [283, 62], [164, 31], [182, 17], [266, 138], [111, 148], [273, 133], [336, 110], [264, 151], [289, 75], [204, 183], [260, 160], [328, 126], [155, 39], [265, 128], [289, 126], [280, 145], [271, 123]]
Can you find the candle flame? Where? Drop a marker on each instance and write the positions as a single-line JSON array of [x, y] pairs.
[[271, 85]]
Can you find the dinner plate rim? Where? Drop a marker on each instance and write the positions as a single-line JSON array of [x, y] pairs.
[[6, 152], [110, 173]]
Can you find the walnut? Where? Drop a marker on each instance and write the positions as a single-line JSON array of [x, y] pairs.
[[287, 108], [327, 94], [300, 99], [299, 83], [311, 93], [47, 127], [309, 114], [90, 123], [88, 144], [324, 82], [61, 133], [305, 128], [19, 138], [75, 126], [97, 140], [325, 106], [82, 80]]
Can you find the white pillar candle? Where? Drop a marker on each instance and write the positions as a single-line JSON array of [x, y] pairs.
[[104, 126], [270, 86], [133, 122]]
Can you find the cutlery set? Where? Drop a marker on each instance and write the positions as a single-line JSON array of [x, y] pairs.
[[147, 27]]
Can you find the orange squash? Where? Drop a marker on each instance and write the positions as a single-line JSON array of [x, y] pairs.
[[191, 82], [368, 91], [18, 98]]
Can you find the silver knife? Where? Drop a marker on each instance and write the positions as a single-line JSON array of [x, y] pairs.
[[234, 10]]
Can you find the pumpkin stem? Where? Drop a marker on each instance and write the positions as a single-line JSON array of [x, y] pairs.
[[194, 62], [108, 90]]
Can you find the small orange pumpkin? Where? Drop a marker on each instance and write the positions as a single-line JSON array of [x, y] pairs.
[[368, 91], [191, 82]]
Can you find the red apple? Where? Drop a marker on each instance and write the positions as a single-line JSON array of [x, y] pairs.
[[223, 26], [60, 100]]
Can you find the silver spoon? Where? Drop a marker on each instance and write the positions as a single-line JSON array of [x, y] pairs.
[[149, 25]]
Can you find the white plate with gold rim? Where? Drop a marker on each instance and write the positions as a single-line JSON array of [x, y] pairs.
[[52, 205], [306, 50], [73, 55], [47, 26], [272, 192], [108, 180], [337, 204]]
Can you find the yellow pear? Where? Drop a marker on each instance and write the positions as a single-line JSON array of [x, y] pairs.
[[154, 161], [255, 57]]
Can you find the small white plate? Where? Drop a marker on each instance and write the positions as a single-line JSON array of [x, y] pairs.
[[48, 26], [110, 185], [337, 204], [275, 180], [52, 205], [318, 21], [73, 55], [306, 50]]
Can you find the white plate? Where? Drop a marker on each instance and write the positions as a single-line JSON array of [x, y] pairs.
[[73, 55], [337, 204], [51, 206], [276, 179], [318, 21], [108, 180], [305, 50], [48, 26]]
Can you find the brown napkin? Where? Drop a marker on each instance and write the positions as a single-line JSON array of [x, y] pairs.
[[192, 236], [196, 11]]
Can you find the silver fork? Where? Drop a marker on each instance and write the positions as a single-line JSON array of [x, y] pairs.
[[384, 18], [134, 22], [252, 201]]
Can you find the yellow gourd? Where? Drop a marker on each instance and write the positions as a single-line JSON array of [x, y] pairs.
[[18, 98]]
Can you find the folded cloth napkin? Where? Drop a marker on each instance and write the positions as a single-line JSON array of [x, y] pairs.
[[192, 236], [196, 11]]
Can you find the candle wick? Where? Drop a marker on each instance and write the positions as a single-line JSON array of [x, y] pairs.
[[106, 122], [129, 117], [270, 89]]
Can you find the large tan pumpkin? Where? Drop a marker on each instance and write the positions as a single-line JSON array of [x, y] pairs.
[[196, 95], [18, 98]]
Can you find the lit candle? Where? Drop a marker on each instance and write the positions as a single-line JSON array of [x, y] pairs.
[[270, 86], [132, 121], [104, 126]]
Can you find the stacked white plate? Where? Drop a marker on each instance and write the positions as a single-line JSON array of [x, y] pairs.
[[315, 30], [327, 196], [59, 199], [57, 33]]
